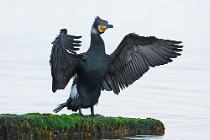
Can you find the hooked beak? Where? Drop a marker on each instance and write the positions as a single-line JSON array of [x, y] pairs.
[[102, 28], [110, 26]]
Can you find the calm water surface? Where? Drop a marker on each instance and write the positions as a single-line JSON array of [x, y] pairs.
[[178, 93]]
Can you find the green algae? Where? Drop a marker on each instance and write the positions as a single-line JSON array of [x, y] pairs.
[[52, 125]]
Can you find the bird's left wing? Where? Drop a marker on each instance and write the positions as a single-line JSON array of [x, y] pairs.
[[134, 56], [63, 59]]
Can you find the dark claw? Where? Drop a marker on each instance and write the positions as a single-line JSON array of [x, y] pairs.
[[92, 115], [81, 114]]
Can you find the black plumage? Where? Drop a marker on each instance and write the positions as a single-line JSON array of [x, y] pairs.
[[95, 70]]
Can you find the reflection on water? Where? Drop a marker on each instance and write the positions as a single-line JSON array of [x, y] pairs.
[[144, 137], [178, 93], [65, 137]]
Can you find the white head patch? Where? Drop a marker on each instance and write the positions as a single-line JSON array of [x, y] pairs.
[[94, 31]]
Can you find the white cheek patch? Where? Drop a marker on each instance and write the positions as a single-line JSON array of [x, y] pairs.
[[74, 93], [93, 31]]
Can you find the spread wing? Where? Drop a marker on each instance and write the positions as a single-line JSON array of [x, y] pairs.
[[63, 59], [134, 56]]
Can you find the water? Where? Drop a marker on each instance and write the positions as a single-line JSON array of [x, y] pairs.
[[178, 93]]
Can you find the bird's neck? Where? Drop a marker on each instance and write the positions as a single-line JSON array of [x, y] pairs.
[[97, 44]]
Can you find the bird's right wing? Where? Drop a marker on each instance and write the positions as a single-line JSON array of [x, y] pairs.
[[63, 59]]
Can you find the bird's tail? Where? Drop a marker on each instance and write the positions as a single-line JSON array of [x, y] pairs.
[[60, 107], [70, 104]]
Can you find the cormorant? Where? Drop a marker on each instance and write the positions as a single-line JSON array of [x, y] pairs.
[[94, 70]]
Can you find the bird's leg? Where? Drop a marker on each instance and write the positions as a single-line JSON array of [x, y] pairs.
[[92, 111], [80, 111]]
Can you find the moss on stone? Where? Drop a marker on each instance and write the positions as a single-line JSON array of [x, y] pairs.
[[51, 125]]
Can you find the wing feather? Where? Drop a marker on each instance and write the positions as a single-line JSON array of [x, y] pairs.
[[63, 59], [134, 56]]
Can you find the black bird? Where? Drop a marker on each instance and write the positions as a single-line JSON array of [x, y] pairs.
[[95, 70]]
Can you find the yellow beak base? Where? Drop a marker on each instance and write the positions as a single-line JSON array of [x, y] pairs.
[[101, 28]]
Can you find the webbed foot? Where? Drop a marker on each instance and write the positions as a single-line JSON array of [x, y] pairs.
[[80, 112], [92, 111]]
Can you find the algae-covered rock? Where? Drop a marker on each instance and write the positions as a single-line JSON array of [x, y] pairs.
[[52, 125]]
